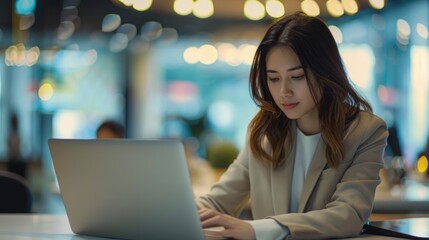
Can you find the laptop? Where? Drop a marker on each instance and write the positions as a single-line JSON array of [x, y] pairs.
[[126, 188]]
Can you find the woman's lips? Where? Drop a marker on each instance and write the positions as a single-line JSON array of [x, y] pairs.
[[288, 106]]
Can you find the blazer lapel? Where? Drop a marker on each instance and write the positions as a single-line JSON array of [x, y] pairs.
[[316, 167], [281, 182]]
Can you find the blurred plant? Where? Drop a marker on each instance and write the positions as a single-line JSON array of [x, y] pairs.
[[220, 155]]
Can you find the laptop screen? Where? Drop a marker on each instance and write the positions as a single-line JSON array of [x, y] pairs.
[[126, 188]]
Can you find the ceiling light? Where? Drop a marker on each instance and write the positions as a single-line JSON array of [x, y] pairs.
[[377, 4], [310, 7], [203, 8], [142, 5], [254, 10], [274, 8], [183, 7], [350, 6], [335, 8]]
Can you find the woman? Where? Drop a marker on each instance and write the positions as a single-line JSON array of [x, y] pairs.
[[311, 163]]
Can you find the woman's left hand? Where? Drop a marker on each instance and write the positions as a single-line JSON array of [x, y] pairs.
[[234, 227]]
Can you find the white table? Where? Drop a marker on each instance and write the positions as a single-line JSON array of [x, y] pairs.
[[46, 227], [36, 227]]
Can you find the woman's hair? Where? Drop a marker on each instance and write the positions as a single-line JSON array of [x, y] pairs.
[[338, 104]]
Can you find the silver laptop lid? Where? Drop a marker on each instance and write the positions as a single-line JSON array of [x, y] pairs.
[[128, 189]]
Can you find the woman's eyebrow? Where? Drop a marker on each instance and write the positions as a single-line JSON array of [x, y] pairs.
[[290, 69], [294, 68]]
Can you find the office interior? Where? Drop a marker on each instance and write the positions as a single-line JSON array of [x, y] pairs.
[[180, 68]]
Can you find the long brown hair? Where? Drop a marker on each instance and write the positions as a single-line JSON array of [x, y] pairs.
[[339, 102]]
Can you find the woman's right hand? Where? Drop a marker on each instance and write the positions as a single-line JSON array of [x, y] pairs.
[[234, 227]]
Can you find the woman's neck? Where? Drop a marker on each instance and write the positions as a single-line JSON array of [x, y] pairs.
[[309, 126]]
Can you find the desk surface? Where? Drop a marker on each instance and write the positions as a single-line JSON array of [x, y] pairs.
[[36, 226], [44, 226]]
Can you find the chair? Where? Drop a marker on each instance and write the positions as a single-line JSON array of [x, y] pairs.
[[15, 193]]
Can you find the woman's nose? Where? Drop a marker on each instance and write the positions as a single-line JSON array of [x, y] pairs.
[[285, 90]]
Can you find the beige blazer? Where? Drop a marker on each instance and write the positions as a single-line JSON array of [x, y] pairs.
[[334, 202]]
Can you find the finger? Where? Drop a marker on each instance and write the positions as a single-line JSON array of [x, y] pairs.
[[219, 220], [205, 214], [203, 211], [206, 210], [211, 221]]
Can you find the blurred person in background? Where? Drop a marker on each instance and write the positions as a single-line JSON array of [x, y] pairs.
[[311, 163], [16, 163], [110, 129]]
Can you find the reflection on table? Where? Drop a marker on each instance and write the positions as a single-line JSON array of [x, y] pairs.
[[412, 226], [46, 226]]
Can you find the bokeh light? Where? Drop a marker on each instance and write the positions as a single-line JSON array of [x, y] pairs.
[[422, 164], [254, 10], [310, 7]]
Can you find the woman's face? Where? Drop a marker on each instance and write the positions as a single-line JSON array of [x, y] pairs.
[[288, 86]]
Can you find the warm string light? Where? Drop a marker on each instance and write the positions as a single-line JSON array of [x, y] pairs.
[[142, 5], [139, 5], [226, 52], [335, 8], [253, 9], [183, 7], [350, 6], [274, 8], [256, 9], [310, 7], [203, 8], [377, 4], [18, 55], [200, 8]]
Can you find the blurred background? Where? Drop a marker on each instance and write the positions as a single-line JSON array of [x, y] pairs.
[[179, 69]]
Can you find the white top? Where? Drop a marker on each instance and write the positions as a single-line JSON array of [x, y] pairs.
[[305, 148]]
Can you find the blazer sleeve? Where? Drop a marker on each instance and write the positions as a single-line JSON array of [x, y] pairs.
[[350, 205], [231, 193]]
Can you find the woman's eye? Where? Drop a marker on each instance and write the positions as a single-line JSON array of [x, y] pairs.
[[297, 77], [273, 79]]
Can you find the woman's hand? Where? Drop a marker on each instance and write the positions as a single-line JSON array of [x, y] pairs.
[[234, 227]]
